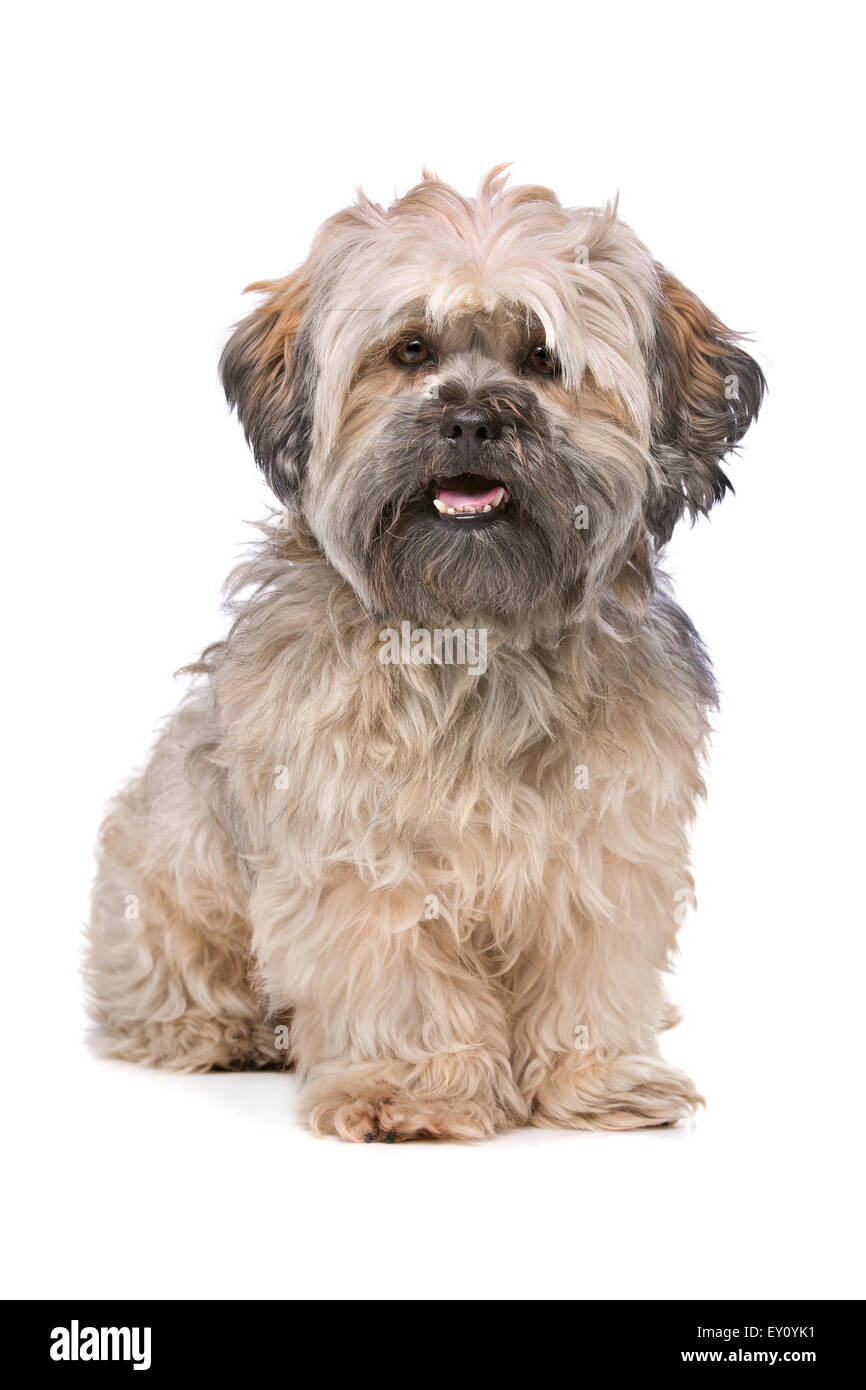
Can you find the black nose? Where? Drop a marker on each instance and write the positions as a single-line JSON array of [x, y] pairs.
[[470, 427]]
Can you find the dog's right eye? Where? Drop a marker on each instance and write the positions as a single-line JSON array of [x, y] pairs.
[[412, 352]]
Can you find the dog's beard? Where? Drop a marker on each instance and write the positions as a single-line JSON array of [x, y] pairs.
[[422, 561], [554, 520]]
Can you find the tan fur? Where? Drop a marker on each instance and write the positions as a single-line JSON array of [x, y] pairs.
[[307, 804]]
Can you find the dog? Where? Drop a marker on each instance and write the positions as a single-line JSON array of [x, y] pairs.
[[445, 890]]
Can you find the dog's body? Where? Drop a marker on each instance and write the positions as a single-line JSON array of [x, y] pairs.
[[458, 888]]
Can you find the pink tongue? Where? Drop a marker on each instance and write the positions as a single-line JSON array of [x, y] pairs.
[[457, 497]]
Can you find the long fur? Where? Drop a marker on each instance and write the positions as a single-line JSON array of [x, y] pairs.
[[454, 893]]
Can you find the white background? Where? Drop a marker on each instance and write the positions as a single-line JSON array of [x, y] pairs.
[[159, 158]]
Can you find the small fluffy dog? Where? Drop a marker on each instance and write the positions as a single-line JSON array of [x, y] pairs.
[[420, 827]]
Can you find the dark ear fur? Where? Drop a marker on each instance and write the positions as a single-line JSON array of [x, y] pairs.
[[708, 392], [267, 373]]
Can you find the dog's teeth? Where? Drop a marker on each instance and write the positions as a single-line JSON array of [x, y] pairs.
[[470, 509]]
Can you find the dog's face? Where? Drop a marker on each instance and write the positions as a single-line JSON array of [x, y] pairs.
[[481, 406]]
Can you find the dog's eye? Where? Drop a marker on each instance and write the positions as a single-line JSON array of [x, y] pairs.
[[542, 361], [412, 352]]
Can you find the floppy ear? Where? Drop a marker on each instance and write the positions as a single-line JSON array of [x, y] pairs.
[[708, 392], [268, 376]]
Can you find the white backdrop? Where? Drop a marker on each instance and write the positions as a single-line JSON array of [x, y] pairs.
[[162, 156]]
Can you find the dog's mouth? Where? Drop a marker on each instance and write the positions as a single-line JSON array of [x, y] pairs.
[[469, 497]]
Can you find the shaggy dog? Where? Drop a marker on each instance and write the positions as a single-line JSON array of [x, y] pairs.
[[420, 827]]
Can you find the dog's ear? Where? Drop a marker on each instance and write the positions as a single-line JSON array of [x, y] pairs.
[[707, 393], [268, 376]]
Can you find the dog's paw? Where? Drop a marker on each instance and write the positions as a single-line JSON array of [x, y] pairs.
[[361, 1108], [624, 1093], [388, 1119]]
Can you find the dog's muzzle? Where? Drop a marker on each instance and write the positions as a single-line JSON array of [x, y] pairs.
[[469, 495]]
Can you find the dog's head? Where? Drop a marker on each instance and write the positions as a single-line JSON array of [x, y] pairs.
[[481, 405]]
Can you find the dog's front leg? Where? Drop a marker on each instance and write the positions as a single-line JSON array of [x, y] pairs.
[[397, 1029], [586, 1014]]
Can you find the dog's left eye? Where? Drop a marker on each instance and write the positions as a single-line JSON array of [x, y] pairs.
[[542, 361], [412, 352]]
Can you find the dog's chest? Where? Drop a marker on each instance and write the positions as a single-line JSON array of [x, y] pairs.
[[490, 796], [480, 793]]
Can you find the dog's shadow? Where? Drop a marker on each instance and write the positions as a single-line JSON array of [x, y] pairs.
[[261, 1098], [268, 1099]]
